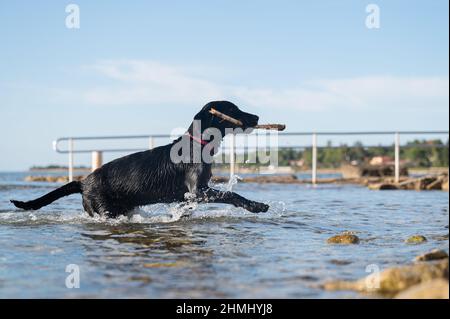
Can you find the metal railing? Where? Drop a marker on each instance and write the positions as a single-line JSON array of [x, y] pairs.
[[97, 152]]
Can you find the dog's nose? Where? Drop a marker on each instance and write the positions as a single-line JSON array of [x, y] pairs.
[[250, 120], [255, 119]]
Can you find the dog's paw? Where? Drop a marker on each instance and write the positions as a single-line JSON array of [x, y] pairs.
[[256, 207]]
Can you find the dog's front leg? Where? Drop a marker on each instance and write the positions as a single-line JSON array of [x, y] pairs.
[[210, 195]]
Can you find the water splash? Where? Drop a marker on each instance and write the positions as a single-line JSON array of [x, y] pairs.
[[234, 179], [151, 214]]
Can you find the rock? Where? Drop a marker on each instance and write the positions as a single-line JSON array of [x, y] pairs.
[[433, 289], [431, 182], [424, 182], [175, 264], [350, 171], [142, 279], [436, 185], [280, 179], [53, 179], [416, 239], [445, 185], [371, 170], [441, 237], [344, 239], [435, 254], [339, 262], [382, 186], [393, 280], [161, 265]]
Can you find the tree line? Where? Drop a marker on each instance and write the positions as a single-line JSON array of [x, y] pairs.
[[417, 153]]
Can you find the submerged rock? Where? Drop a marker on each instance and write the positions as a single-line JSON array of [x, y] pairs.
[[163, 265], [416, 239], [339, 262], [441, 237], [344, 239], [435, 254], [142, 279], [433, 289], [393, 280]]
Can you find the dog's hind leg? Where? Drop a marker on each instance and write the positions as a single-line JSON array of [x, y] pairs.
[[211, 195], [113, 210], [96, 206], [87, 205]]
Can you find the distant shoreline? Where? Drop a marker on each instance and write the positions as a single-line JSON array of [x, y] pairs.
[[250, 170], [58, 169]]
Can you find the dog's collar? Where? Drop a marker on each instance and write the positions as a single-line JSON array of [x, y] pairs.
[[198, 140]]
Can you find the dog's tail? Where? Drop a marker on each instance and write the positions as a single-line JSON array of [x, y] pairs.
[[68, 189]]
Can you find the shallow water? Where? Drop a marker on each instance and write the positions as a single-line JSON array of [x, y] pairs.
[[220, 251]]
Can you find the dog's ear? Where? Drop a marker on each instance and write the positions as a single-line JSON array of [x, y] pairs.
[[205, 117], [213, 119], [204, 111]]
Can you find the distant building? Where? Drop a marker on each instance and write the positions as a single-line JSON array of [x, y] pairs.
[[381, 160], [385, 160], [297, 163]]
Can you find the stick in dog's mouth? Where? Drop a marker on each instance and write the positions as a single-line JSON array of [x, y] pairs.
[[225, 117], [278, 127]]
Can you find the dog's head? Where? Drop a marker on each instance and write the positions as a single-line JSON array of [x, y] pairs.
[[224, 115]]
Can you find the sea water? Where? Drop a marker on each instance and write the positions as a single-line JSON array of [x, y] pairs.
[[219, 250]]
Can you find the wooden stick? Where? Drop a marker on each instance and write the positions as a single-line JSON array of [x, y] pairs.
[[278, 127], [225, 117]]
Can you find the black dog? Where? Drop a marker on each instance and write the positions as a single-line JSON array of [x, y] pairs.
[[153, 177]]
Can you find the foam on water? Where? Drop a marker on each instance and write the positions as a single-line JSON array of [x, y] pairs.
[[151, 214]]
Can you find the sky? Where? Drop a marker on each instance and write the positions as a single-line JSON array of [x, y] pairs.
[[146, 67]]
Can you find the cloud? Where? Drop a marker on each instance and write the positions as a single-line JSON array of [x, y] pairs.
[[148, 82], [134, 82]]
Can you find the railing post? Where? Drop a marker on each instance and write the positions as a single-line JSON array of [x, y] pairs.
[[151, 143], [397, 157], [97, 160], [232, 156], [70, 160], [314, 158]]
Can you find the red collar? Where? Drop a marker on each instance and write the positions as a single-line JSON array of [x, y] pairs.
[[198, 140]]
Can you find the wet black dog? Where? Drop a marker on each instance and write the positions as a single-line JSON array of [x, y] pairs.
[[154, 177]]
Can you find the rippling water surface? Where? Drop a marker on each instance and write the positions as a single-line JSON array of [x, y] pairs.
[[220, 251]]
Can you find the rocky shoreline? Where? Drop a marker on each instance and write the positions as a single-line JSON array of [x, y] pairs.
[[436, 182], [424, 280]]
